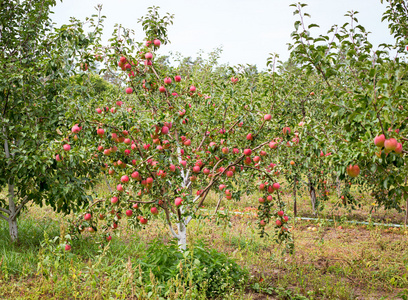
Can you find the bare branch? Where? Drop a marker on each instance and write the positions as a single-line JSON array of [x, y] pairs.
[[25, 200], [169, 223], [5, 210], [173, 232], [142, 202], [218, 204], [4, 217]]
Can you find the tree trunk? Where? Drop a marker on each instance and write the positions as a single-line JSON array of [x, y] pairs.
[[182, 233], [12, 218], [338, 184], [13, 230], [406, 206], [294, 198], [182, 224], [312, 192]]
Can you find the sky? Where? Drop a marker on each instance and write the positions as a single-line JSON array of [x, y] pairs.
[[248, 31]]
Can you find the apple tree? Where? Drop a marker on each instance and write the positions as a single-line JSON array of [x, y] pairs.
[[37, 62], [364, 94], [170, 137]]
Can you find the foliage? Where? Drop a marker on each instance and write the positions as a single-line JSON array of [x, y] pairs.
[[363, 93], [37, 62], [198, 268]]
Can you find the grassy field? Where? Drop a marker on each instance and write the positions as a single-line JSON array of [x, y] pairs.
[[332, 260]]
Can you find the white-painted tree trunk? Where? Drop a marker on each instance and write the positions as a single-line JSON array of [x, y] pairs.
[[182, 224], [182, 236]]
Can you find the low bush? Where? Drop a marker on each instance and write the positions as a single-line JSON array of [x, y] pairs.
[[199, 268]]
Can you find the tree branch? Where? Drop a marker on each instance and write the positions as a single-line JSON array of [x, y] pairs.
[[169, 223], [5, 210], [218, 204], [25, 200]]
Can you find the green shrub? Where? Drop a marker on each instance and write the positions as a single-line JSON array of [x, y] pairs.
[[199, 268]]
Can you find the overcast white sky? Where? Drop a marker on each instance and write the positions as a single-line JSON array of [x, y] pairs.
[[248, 30]]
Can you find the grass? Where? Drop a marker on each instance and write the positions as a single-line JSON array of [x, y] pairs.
[[331, 260]]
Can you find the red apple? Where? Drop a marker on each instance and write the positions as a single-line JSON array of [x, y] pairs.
[[276, 186], [399, 148], [273, 145], [75, 128], [178, 201], [247, 152], [390, 144], [379, 140], [100, 132], [353, 171], [286, 130]]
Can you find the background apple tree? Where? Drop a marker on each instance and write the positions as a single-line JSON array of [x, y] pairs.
[[363, 91], [36, 87]]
